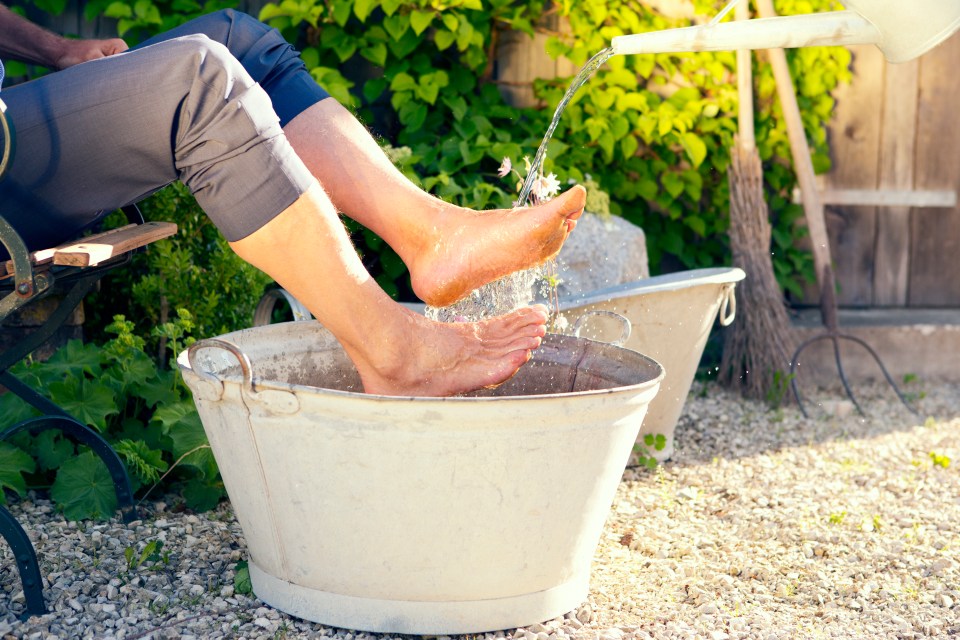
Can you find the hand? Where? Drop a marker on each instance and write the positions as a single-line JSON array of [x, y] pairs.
[[77, 51]]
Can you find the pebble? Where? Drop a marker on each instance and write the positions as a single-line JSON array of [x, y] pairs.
[[763, 526]]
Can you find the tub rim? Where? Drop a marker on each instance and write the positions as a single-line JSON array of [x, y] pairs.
[[259, 385], [656, 284]]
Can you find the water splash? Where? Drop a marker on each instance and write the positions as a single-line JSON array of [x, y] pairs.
[[517, 289]]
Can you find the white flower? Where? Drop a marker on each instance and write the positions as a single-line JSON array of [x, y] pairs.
[[545, 187], [505, 167]]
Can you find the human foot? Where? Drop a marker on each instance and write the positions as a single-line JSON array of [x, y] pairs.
[[440, 359], [461, 250]]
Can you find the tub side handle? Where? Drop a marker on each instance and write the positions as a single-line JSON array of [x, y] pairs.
[[274, 400], [625, 327], [728, 305]]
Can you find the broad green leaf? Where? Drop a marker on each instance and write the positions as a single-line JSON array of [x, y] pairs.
[[202, 496], [629, 146], [13, 464], [420, 20], [73, 359], [390, 6], [362, 8], [695, 148], [373, 89], [396, 25], [88, 401], [457, 105], [341, 12], [52, 449], [84, 489], [13, 410], [403, 82], [190, 440], [118, 10], [241, 578], [444, 39], [375, 53], [673, 184], [696, 224], [450, 21]]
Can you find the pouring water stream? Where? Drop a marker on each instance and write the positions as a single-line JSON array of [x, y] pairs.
[[902, 30]]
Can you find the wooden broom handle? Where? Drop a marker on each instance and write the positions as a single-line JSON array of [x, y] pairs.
[[745, 86], [802, 163]]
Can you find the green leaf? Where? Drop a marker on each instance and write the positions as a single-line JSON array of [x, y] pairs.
[[13, 464], [52, 449], [73, 359], [118, 10], [362, 8], [673, 184], [375, 53], [201, 496], [241, 578], [420, 20], [696, 224], [444, 39], [159, 390], [14, 410], [403, 82], [396, 25], [84, 489], [190, 440], [695, 148], [341, 12], [457, 105], [144, 463], [373, 89], [88, 401], [629, 146], [390, 6]]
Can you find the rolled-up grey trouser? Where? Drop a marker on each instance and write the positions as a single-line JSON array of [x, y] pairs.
[[109, 132]]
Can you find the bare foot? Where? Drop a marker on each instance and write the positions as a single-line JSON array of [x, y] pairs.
[[464, 250], [441, 359]]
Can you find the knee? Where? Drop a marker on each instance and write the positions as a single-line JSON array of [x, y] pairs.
[[210, 61]]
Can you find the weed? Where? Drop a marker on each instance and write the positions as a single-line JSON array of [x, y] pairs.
[[939, 459], [837, 517], [778, 391], [658, 442], [150, 557]]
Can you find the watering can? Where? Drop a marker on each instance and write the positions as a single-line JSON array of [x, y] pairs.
[[901, 29]]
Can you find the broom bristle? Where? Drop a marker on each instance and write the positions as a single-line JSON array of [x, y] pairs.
[[760, 342]]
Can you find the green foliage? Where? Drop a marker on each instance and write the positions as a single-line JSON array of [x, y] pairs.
[[143, 409], [652, 131], [195, 269], [241, 578]]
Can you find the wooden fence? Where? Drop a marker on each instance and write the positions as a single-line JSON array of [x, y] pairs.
[[896, 137]]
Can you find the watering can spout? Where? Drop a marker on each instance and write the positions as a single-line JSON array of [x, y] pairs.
[[817, 29], [902, 30]]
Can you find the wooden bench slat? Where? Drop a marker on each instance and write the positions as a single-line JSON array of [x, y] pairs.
[[92, 250]]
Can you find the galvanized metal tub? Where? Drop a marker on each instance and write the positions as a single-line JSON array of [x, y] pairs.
[[672, 316], [417, 515]]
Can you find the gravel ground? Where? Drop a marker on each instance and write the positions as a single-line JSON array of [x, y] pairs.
[[763, 525]]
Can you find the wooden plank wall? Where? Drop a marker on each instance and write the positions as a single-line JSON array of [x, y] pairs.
[[895, 128]]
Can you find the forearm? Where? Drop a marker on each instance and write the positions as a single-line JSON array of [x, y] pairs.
[[22, 40]]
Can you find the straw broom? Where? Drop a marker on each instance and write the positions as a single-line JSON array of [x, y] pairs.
[[759, 343]]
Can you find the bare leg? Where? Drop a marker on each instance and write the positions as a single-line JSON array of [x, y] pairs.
[[449, 250], [396, 351]]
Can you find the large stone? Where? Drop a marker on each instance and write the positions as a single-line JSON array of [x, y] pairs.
[[601, 252]]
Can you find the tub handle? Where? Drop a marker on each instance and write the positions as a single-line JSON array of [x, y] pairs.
[[625, 327], [728, 305], [276, 400], [264, 310]]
